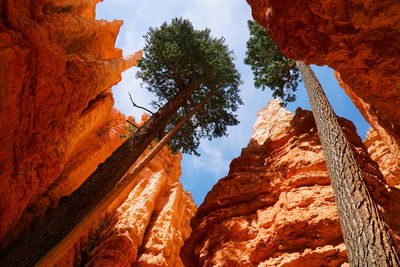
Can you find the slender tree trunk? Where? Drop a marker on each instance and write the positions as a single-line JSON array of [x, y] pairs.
[[74, 208], [365, 233], [118, 194]]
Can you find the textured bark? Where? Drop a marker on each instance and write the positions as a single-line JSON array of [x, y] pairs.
[[74, 208], [119, 193], [356, 38], [366, 235], [57, 67]]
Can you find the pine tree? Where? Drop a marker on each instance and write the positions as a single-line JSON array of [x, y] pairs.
[[365, 233], [182, 66], [176, 57]]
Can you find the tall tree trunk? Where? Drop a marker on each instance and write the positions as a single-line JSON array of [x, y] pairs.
[[366, 235], [74, 208], [119, 193]]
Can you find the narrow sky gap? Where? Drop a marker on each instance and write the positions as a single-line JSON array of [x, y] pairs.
[[225, 18]]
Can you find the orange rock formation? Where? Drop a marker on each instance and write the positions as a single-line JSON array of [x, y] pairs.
[[359, 39], [148, 229], [57, 65], [380, 153], [382, 146], [276, 207]]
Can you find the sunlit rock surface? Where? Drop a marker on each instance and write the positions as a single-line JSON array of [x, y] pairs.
[[380, 152], [148, 229], [359, 39], [57, 65], [276, 206]]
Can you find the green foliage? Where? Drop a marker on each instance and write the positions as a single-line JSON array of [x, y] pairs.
[[270, 67], [177, 57], [131, 131]]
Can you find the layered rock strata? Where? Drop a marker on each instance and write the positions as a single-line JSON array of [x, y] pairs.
[[381, 153], [57, 65], [148, 229], [382, 146], [356, 38], [276, 206]]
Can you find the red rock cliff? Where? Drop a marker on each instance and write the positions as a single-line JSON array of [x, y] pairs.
[[276, 206], [148, 229], [389, 164], [359, 39], [57, 65], [382, 146]]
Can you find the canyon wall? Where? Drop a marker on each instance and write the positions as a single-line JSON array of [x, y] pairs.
[[388, 163], [57, 67], [276, 206], [382, 146], [359, 39], [148, 229]]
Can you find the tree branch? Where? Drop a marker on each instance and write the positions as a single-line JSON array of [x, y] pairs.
[[131, 123], [134, 105]]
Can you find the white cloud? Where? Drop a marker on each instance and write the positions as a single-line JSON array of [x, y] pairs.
[[212, 160]]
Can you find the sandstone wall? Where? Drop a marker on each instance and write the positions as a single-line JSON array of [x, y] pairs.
[[388, 163], [57, 65], [383, 147], [148, 229], [359, 39], [276, 206]]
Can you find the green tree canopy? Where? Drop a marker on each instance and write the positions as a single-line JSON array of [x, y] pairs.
[[177, 57], [270, 67]]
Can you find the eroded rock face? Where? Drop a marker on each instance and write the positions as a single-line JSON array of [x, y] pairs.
[[149, 228], [276, 206], [382, 146], [57, 65], [359, 39], [380, 153]]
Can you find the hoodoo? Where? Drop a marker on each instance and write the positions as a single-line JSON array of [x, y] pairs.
[[276, 207]]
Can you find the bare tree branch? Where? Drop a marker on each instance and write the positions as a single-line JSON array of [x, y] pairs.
[[131, 123], [133, 103]]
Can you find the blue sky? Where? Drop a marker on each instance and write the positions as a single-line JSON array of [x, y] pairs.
[[227, 18]]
